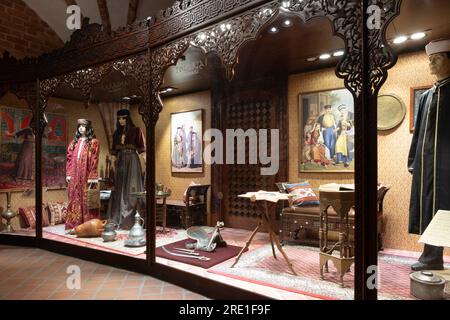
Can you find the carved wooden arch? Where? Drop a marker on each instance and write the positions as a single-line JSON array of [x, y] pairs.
[[346, 16], [136, 67]]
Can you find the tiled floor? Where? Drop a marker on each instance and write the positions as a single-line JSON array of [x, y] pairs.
[[35, 274]]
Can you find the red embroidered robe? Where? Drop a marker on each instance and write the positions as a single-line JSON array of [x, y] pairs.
[[80, 169]]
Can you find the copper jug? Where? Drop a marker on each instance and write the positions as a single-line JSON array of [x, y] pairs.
[[90, 229]]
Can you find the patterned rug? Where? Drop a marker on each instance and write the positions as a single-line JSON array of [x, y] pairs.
[[57, 233], [258, 266]]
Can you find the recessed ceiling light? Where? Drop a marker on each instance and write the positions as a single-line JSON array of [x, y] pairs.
[[312, 59], [338, 53], [287, 23], [418, 35], [274, 29], [400, 39], [126, 98], [325, 56]]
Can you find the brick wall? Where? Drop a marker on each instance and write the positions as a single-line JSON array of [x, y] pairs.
[[23, 33]]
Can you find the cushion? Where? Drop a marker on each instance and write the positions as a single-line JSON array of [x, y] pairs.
[[58, 212], [303, 195], [282, 186], [29, 216]]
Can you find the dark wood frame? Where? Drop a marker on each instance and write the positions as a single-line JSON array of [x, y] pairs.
[[202, 116], [364, 67], [412, 105]]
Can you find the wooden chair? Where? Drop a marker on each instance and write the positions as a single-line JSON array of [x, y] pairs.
[[194, 209]]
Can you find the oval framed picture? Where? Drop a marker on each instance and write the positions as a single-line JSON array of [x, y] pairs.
[[391, 112]]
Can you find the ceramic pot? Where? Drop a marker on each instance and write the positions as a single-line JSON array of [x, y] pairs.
[[90, 229]]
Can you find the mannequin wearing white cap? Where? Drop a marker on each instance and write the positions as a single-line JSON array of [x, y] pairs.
[[430, 154]]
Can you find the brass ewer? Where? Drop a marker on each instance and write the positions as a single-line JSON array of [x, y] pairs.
[[8, 215]]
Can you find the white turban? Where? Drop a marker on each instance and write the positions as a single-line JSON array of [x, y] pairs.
[[438, 46]]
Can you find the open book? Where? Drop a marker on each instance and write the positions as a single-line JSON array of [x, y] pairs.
[[333, 187], [272, 196]]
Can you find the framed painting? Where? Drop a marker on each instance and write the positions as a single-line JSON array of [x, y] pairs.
[[326, 131], [415, 94], [186, 136], [17, 145]]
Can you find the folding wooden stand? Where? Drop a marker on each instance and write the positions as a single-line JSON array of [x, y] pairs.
[[266, 207]]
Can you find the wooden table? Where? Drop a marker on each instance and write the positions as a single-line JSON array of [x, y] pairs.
[[266, 204], [342, 202], [161, 206]]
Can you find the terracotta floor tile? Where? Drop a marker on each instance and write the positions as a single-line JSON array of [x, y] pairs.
[[171, 296], [194, 296], [112, 285], [84, 295], [39, 295], [153, 282], [106, 294], [152, 290], [172, 289], [132, 283]]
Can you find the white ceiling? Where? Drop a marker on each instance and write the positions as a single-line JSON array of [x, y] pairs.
[[53, 12]]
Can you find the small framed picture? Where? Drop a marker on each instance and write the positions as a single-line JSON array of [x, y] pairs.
[[187, 142], [416, 92]]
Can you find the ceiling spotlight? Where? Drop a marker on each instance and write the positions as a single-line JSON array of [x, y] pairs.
[[126, 98], [325, 56], [287, 23], [312, 59], [400, 39], [339, 53], [418, 35], [274, 29]]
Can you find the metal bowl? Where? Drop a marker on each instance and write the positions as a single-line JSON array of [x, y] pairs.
[[425, 285]]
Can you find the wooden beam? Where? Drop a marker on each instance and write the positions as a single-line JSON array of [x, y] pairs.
[[132, 11], [104, 14]]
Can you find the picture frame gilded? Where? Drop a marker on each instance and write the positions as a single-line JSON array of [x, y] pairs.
[[326, 131]]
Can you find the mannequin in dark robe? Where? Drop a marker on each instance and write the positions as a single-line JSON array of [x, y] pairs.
[[429, 155], [128, 144]]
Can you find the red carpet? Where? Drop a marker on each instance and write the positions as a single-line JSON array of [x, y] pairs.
[[217, 256]]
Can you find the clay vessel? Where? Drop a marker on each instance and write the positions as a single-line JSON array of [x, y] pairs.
[[90, 229]]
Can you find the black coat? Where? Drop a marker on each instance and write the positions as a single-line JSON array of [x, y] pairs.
[[429, 157]]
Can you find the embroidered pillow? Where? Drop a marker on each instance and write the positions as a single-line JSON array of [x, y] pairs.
[[303, 195], [58, 212], [28, 215]]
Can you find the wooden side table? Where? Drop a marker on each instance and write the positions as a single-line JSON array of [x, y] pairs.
[[342, 202], [266, 205]]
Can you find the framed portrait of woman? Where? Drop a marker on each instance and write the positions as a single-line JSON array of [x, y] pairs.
[[186, 137]]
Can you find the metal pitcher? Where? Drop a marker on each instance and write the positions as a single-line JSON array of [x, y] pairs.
[[136, 237], [109, 233]]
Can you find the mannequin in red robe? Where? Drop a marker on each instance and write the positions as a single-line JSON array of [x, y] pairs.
[[81, 171]]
